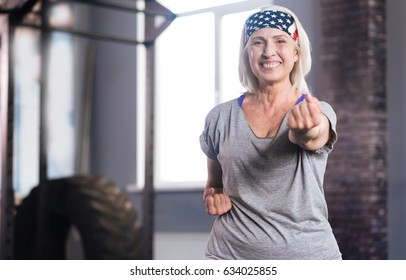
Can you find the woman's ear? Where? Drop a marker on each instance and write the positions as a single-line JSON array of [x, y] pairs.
[[296, 55]]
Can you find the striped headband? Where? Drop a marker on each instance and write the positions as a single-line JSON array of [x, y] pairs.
[[271, 18]]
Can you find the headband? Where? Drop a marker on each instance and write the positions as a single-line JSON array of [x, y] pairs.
[[271, 18]]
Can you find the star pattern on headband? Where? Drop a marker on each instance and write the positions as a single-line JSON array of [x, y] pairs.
[[270, 18]]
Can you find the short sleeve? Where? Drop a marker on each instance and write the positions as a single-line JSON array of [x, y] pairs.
[[209, 139], [331, 116]]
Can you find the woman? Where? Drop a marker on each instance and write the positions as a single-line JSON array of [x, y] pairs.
[[267, 151]]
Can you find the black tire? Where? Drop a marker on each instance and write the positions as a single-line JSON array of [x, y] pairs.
[[101, 212]]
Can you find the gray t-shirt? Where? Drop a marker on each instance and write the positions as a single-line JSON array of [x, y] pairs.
[[276, 187]]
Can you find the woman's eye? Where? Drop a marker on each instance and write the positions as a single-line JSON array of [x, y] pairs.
[[256, 43], [280, 41]]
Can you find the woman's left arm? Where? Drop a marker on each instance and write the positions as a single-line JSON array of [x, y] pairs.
[[308, 126]]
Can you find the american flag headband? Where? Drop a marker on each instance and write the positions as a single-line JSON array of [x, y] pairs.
[[273, 19]]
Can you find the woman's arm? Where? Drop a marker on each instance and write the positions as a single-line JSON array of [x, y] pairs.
[[216, 202], [308, 126]]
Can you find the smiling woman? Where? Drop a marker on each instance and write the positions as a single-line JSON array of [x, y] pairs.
[[267, 151]]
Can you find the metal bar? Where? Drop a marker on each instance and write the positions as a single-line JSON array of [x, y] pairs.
[[148, 193], [86, 107], [18, 14], [96, 36], [6, 11], [26, 6], [153, 10], [42, 221], [45, 40], [108, 5], [151, 33], [7, 118]]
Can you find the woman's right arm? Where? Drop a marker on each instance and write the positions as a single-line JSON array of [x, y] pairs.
[[216, 202]]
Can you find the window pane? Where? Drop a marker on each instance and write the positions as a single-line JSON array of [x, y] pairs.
[[60, 150], [185, 94], [231, 30], [26, 122]]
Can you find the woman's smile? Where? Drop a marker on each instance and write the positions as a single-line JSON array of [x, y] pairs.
[[270, 65]]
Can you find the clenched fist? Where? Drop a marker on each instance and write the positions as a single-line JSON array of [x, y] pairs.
[[308, 126], [217, 203]]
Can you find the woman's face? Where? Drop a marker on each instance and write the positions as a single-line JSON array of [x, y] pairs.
[[272, 54]]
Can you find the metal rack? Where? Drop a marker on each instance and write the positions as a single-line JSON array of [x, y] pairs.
[[14, 18]]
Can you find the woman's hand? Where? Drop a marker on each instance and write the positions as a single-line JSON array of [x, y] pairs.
[[308, 126], [217, 203]]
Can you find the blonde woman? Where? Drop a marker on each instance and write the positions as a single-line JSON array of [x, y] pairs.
[[267, 151]]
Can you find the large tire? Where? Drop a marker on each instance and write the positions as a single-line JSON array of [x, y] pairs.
[[103, 215]]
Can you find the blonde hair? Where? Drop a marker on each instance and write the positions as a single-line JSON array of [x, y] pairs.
[[300, 69]]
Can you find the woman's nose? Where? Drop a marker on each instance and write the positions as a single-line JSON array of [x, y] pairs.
[[269, 50]]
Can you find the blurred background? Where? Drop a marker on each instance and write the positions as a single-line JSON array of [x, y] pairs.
[[120, 89]]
